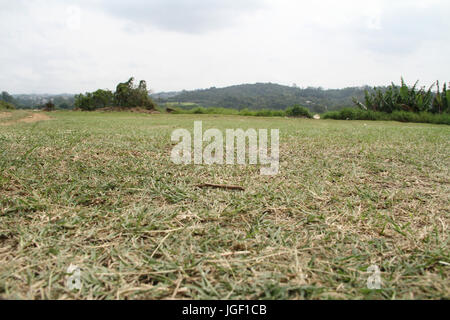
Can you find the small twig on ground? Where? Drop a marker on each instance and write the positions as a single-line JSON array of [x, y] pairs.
[[218, 186]]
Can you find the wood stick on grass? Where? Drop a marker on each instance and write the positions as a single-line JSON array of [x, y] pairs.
[[218, 186]]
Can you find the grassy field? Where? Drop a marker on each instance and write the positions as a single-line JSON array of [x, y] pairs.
[[98, 190]]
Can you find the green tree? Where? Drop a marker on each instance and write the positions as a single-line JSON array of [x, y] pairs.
[[7, 101], [441, 101], [123, 93], [6, 97], [84, 102], [6, 105], [102, 98], [128, 95], [49, 106]]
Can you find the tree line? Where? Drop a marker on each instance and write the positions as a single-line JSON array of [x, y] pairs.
[[127, 96], [37, 101]]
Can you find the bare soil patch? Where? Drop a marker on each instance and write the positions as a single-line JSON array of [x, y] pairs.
[[5, 115], [35, 117]]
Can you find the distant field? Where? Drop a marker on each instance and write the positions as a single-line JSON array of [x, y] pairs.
[[98, 190]]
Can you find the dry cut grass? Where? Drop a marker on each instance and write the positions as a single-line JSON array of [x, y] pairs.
[[98, 190]]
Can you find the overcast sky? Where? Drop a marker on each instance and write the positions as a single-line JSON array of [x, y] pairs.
[[49, 46]]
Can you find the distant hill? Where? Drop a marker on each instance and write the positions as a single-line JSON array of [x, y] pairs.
[[265, 96], [164, 95], [252, 96]]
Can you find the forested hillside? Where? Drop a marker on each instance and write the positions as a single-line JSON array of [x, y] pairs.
[[267, 96]]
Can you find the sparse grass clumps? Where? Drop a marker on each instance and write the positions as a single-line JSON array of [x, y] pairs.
[[99, 191], [402, 116]]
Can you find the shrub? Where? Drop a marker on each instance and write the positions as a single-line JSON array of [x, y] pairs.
[[6, 105], [228, 111], [298, 111], [49, 106], [278, 113], [245, 112], [199, 110], [401, 116]]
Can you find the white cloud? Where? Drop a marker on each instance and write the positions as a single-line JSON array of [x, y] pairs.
[[186, 16], [175, 45]]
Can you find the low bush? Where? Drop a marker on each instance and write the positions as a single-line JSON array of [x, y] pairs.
[[299, 111], [6, 105], [401, 116], [295, 111], [226, 111], [49, 106]]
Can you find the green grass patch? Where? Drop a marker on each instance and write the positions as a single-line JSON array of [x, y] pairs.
[[98, 190]]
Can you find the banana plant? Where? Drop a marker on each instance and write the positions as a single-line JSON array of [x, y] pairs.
[[404, 98], [447, 97], [441, 102]]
